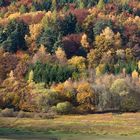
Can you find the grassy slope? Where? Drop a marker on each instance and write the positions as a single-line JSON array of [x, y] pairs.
[[124, 124]]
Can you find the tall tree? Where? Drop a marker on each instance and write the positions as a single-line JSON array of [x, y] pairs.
[[101, 4], [13, 36]]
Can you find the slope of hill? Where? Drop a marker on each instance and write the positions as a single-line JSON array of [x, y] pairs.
[[69, 56]]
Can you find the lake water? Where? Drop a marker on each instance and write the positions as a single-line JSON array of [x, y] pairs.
[[70, 137]]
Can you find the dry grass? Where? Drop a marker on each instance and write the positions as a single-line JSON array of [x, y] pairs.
[[122, 124]]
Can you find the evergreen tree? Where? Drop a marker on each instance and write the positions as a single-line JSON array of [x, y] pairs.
[[54, 5], [48, 38], [81, 4], [67, 25], [101, 4], [13, 36], [50, 73], [1, 2], [58, 43], [101, 25], [22, 9], [33, 9], [31, 76]]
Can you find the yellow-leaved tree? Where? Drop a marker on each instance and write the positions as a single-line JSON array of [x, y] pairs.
[[100, 69], [35, 30], [61, 55], [139, 65], [31, 77], [78, 62], [135, 74], [41, 55], [86, 96], [93, 58], [49, 19], [84, 41], [107, 40]]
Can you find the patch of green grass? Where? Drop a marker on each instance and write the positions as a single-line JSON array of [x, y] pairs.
[[13, 131]]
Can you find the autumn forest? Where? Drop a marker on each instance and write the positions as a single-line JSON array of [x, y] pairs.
[[69, 56]]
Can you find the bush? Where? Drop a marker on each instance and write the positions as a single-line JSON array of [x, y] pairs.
[[22, 114], [103, 97], [84, 109], [45, 101], [64, 108], [119, 87], [7, 113], [49, 115], [85, 94], [129, 104]]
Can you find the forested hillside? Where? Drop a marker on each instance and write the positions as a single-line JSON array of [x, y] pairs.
[[70, 56]]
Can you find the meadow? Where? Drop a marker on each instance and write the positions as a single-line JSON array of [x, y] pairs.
[[98, 124]]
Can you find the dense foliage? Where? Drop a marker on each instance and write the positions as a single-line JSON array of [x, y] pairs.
[[13, 36], [70, 56], [49, 73]]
